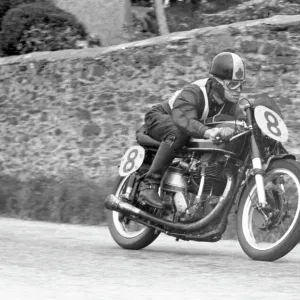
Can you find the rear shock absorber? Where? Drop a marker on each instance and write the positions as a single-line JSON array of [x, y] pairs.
[[130, 190]]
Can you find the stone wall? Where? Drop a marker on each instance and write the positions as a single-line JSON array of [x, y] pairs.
[[79, 109]]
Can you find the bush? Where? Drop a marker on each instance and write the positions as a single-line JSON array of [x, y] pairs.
[[4, 7], [39, 27], [15, 3]]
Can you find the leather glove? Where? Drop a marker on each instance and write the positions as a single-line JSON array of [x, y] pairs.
[[211, 134], [226, 133], [221, 133]]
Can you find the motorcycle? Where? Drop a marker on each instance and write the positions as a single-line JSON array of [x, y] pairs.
[[252, 175]]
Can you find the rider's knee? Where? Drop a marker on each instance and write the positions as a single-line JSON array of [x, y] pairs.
[[176, 138]]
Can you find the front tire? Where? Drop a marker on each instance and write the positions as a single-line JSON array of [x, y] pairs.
[[269, 235], [126, 233]]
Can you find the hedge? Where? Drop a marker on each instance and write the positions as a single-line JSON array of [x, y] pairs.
[[39, 27], [4, 7]]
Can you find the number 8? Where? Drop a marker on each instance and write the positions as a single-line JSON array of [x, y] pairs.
[[272, 123], [130, 163]]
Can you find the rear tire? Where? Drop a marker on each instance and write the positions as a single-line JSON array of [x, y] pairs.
[[128, 240], [259, 244]]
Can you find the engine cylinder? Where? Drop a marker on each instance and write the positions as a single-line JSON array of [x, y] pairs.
[[174, 180]]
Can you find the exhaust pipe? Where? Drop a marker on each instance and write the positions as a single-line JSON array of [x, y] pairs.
[[114, 203]]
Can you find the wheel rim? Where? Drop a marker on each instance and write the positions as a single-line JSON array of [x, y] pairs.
[[252, 218], [128, 229]]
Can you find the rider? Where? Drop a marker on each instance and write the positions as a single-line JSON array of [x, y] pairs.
[[175, 121]]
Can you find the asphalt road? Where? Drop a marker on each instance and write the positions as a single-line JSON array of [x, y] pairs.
[[50, 261]]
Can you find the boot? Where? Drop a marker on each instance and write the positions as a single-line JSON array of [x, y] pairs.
[[150, 186]]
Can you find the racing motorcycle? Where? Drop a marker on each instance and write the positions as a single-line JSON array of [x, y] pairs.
[[252, 175]]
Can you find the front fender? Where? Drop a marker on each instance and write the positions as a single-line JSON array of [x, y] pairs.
[[276, 157], [265, 166]]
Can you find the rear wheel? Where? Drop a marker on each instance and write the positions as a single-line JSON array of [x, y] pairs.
[[127, 233], [270, 233]]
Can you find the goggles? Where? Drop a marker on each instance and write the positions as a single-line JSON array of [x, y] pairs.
[[233, 84]]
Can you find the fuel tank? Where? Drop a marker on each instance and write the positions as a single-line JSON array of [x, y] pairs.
[[235, 147]]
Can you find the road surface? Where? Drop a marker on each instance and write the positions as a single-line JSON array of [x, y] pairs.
[[50, 261]]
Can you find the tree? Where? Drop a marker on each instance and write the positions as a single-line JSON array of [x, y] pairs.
[[126, 33], [161, 17]]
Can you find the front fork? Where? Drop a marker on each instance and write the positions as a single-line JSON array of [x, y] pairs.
[[258, 170]]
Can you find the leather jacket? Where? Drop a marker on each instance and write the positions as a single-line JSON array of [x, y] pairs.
[[188, 107]]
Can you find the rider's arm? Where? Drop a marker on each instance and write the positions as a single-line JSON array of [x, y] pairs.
[[187, 110]]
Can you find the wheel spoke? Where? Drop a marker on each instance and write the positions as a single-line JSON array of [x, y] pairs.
[[267, 227]]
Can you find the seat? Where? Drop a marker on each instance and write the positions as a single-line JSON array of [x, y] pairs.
[[147, 141]]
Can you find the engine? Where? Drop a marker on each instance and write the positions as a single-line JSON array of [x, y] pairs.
[[194, 187], [215, 181], [177, 180]]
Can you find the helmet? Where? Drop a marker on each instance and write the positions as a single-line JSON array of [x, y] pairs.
[[228, 66]]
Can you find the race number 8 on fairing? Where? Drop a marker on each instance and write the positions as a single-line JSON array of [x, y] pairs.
[[271, 123]]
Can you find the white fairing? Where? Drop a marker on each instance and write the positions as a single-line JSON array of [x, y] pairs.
[[271, 123]]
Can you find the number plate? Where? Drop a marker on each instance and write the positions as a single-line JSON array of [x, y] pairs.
[[271, 123], [131, 160]]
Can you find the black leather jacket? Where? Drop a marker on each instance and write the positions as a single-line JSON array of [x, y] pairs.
[[188, 108]]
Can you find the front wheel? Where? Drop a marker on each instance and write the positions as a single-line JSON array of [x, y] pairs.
[[127, 233], [269, 233]]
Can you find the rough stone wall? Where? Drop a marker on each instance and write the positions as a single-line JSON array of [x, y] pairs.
[[79, 109]]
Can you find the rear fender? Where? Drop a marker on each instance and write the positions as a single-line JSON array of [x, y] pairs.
[[247, 180]]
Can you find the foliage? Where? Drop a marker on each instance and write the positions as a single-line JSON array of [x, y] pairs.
[[141, 2], [45, 37], [39, 27], [185, 16], [4, 7], [15, 3], [214, 6], [210, 6]]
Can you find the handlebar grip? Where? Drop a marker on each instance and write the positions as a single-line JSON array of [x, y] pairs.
[[217, 140]]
